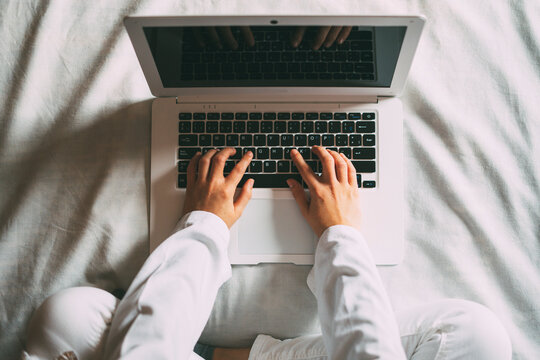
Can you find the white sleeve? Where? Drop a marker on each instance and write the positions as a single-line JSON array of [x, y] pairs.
[[356, 317], [168, 303]]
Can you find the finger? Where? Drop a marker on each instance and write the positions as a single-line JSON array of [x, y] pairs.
[[297, 36], [199, 37], [344, 34], [332, 36], [299, 195], [240, 169], [341, 167], [213, 37], [320, 37], [329, 171], [218, 161], [248, 35], [303, 168], [192, 169], [243, 198], [204, 164], [351, 171], [226, 35]]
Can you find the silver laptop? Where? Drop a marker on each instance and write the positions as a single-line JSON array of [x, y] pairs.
[[240, 81]]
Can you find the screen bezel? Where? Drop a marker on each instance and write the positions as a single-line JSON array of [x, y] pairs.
[[414, 25]]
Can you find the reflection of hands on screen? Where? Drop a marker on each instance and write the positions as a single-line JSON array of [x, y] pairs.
[[326, 35], [220, 36]]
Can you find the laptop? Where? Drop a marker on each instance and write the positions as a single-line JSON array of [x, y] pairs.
[[241, 81]]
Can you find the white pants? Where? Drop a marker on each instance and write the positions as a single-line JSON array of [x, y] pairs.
[[78, 319]]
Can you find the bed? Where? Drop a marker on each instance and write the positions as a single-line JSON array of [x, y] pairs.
[[74, 165]]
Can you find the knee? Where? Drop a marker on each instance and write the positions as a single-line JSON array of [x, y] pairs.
[[472, 331], [72, 319]]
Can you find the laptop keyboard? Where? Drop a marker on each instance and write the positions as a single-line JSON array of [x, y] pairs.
[[273, 57], [271, 136]]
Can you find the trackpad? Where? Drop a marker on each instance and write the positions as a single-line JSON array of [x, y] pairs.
[[274, 226]]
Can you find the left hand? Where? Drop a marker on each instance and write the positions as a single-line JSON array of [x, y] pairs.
[[208, 190]]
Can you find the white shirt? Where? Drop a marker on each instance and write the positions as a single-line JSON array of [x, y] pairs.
[[168, 304]]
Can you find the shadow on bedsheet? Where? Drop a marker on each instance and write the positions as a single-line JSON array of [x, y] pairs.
[[73, 211]]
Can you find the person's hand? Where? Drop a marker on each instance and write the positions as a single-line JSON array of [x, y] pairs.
[[326, 35], [220, 36], [334, 194], [208, 190]]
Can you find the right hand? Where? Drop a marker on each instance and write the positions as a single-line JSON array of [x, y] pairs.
[[334, 194]]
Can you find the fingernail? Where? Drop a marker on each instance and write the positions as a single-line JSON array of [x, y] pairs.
[[290, 183]]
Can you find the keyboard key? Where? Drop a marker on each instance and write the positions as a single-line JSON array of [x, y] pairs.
[[286, 140], [348, 126], [269, 116], [326, 116], [237, 155], [354, 116], [355, 140], [312, 116], [241, 116], [342, 140], [300, 140], [364, 166], [364, 153], [205, 140], [313, 165], [276, 153], [213, 116], [262, 153], [359, 180], [283, 166], [365, 126], [270, 180], [340, 116], [266, 126], [293, 127], [369, 140], [199, 116], [334, 126], [232, 140], [184, 127], [187, 153], [227, 116], [187, 140], [321, 126], [239, 126], [218, 140], [345, 151], [368, 116], [255, 116], [253, 151], [182, 166], [252, 126], [284, 116], [287, 153], [225, 126], [229, 166], [368, 184], [259, 140], [327, 140], [272, 140], [184, 116], [298, 116], [307, 126], [269, 166], [182, 180], [198, 126], [246, 140], [305, 152], [255, 166], [314, 139], [212, 126], [280, 127]]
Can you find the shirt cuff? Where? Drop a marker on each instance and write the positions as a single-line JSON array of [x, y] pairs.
[[200, 216]]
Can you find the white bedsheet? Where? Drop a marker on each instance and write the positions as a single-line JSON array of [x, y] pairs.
[[74, 169]]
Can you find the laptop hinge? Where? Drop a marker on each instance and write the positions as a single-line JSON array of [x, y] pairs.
[[242, 99]]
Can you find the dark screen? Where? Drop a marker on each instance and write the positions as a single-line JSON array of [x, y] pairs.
[[274, 56]]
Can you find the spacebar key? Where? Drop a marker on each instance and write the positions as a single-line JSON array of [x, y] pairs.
[[270, 180]]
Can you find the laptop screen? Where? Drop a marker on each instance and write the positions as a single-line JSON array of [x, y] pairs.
[[275, 55]]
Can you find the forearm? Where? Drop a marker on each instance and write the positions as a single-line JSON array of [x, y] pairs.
[[356, 316], [169, 302]]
